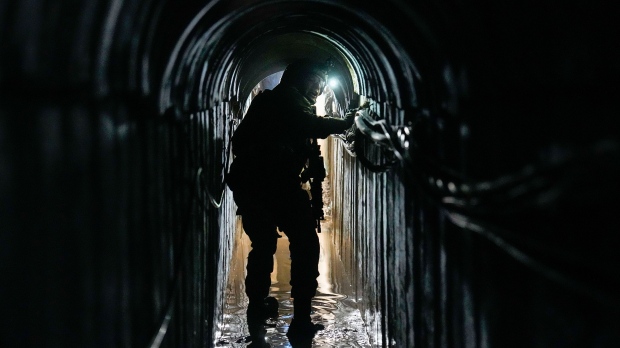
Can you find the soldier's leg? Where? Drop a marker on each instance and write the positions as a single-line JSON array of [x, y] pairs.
[[305, 249], [299, 225], [263, 235]]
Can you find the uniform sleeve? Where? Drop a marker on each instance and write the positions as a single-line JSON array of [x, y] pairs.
[[304, 122], [322, 127]]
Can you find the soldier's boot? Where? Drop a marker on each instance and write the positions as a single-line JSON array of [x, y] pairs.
[[260, 310], [302, 328]]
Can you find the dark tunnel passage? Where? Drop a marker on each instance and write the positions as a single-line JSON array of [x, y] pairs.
[[474, 202]]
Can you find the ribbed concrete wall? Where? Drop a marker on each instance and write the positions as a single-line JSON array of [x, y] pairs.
[[106, 227], [519, 261], [371, 235]]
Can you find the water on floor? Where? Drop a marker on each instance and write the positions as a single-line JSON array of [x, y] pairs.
[[338, 313]]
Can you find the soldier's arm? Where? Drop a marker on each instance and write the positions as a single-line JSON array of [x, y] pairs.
[[322, 127], [313, 126]]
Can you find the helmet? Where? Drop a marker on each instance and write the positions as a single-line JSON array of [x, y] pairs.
[[298, 72]]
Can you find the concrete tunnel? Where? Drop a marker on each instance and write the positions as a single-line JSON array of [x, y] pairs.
[[473, 205]]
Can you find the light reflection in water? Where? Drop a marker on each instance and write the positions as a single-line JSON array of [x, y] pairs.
[[338, 313]]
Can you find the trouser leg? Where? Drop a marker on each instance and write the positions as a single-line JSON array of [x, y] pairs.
[[263, 236], [305, 249], [298, 224]]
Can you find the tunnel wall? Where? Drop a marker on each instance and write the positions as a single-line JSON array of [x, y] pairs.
[[106, 227], [371, 235], [425, 273], [501, 229], [108, 234]]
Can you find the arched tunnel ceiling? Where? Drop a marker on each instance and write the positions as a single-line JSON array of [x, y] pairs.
[[273, 53], [223, 55]]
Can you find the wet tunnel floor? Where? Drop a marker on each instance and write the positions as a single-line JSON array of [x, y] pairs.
[[337, 312]]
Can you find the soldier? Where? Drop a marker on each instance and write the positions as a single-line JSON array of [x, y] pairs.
[[271, 148]]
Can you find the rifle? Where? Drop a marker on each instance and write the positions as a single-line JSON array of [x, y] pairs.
[[316, 174]]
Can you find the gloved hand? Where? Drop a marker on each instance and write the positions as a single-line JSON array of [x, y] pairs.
[[350, 117]]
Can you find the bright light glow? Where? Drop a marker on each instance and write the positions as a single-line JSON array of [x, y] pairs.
[[333, 82]]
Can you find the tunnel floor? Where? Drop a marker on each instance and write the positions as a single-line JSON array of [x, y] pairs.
[[337, 312]]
